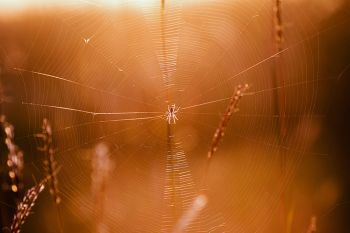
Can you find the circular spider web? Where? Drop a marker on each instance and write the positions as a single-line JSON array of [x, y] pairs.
[[108, 74]]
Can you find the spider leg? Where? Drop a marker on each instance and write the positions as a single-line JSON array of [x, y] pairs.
[[169, 119], [174, 118]]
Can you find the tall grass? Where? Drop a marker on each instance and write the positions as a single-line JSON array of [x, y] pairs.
[[50, 163], [14, 161], [25, 206]]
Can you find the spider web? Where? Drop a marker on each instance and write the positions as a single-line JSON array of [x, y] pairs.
[[109, 74]]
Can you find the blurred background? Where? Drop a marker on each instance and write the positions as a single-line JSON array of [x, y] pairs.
[[105, 72]]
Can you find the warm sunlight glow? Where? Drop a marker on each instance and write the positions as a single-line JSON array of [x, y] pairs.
[[174, 116], [11, 6], [17, 5]]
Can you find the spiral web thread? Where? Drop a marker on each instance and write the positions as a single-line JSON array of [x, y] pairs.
[[179, 189], [180, 192], [80, 123]]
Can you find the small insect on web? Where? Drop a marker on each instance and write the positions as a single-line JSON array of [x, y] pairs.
[[171, 114], [86, 40]]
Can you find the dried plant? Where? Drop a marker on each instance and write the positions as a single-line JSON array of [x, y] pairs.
[[4, 95], [50, 163], [278, 24], [24, 208], [15, 161], [312, 227], [279, 100], [231, 108], [101, 169], [191, 214]]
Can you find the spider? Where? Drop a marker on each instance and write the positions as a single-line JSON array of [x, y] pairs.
[[171, 113]]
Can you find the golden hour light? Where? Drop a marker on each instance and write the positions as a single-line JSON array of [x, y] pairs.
[[174, 116]]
